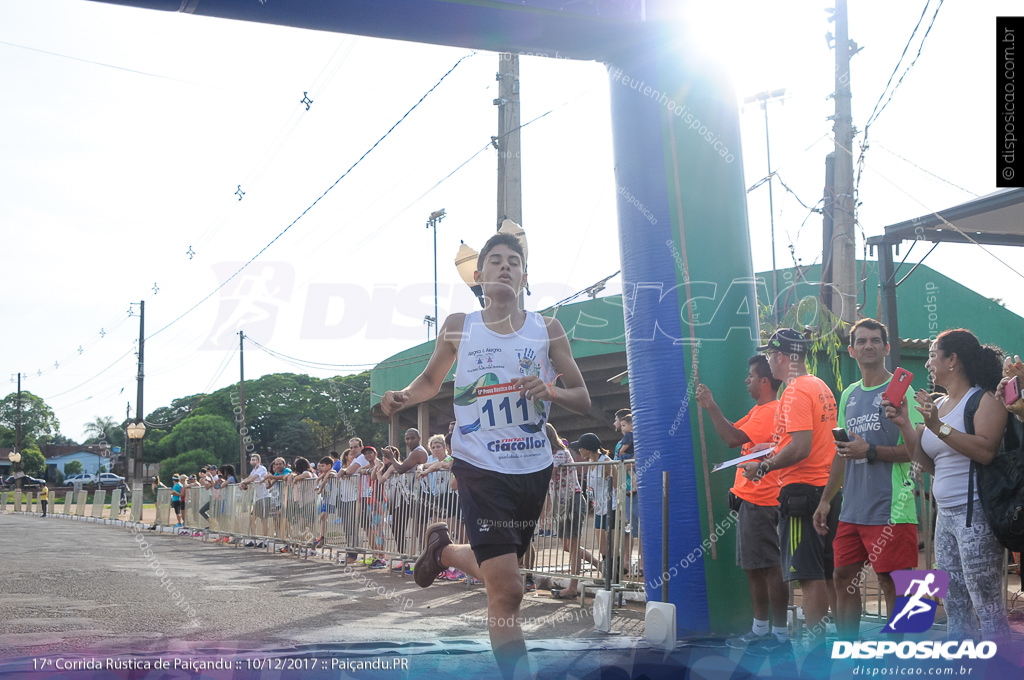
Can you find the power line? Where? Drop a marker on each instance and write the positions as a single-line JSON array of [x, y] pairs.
[[927, 172], [285, 230], [874, 116], [896, 68], [306, 361], [99, 63], [876, 111], [952, 226], [116, 361]]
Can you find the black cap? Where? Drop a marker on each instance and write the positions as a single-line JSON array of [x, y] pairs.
[[787, 341], [589, 441]]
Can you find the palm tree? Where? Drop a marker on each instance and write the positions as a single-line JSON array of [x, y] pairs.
[[104, 430]]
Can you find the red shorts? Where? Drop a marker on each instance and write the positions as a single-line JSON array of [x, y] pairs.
[[888, 547]]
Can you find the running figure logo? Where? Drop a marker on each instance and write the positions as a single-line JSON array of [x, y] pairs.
[[913, 613]]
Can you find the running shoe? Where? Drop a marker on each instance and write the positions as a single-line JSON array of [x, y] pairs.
[[401, 567], [771, 646], [318, 542], [379, 564], [744, 641], [531, 585], [474, 581], [428, 566], [453, 574]]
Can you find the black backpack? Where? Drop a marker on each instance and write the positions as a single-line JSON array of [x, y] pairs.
[[1000, 483]]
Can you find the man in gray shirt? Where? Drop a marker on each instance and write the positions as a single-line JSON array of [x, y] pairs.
[[878, 521]]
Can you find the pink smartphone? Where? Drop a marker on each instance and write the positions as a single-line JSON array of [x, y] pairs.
[[1012, 393], [898, 386]]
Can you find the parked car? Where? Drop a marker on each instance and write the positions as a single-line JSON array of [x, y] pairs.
[[110, 479], [83, 478], [26, 483]]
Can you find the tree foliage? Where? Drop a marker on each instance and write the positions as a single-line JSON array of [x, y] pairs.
[[323, 435], [211, 433], [73, 467], [32, 461], [104, 430], [160, 422], [294, 439], [37, 419], [57, 440], [188, 463], [285, 414]]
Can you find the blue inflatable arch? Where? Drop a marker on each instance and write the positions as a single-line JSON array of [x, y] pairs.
[[688, 289]]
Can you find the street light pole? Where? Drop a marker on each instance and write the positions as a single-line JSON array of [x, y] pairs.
[[764, 98], [17, 439], [432, 221], [15, 458]]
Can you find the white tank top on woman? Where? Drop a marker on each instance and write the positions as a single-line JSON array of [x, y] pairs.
[[496, 429], [951, 467]]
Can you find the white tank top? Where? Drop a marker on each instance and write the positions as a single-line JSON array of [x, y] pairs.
[[496, 429], [952, 468]]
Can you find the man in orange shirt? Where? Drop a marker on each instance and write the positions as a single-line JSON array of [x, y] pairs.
[[757, 502], [807, 414]]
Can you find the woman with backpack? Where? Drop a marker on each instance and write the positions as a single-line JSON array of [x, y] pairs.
[[970, 555]]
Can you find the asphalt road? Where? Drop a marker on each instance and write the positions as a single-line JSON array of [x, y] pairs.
[[70, 587]]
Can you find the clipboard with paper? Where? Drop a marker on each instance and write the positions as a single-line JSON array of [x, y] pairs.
[[743, 459]]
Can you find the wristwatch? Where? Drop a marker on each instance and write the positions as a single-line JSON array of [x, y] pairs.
[[872, 454], [944, 431]]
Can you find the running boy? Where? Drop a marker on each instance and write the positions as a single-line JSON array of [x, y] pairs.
[[508, 363]]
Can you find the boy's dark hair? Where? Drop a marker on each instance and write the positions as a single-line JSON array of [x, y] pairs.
[[335, 455], [871, 325], [301, 465], [622, 412], [500, 240], [326, 460], [763, 370]]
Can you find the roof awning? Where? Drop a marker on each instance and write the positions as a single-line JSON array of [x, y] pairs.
[[995, 219]]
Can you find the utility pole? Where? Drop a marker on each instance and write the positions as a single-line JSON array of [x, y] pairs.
[[137, 473], [510, 176], [827, 230], [241, 401], [844, 304], [127, 452]]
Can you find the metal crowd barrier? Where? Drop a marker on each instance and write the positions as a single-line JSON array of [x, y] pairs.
[[588, 535], [163, 507], [352, 516]]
